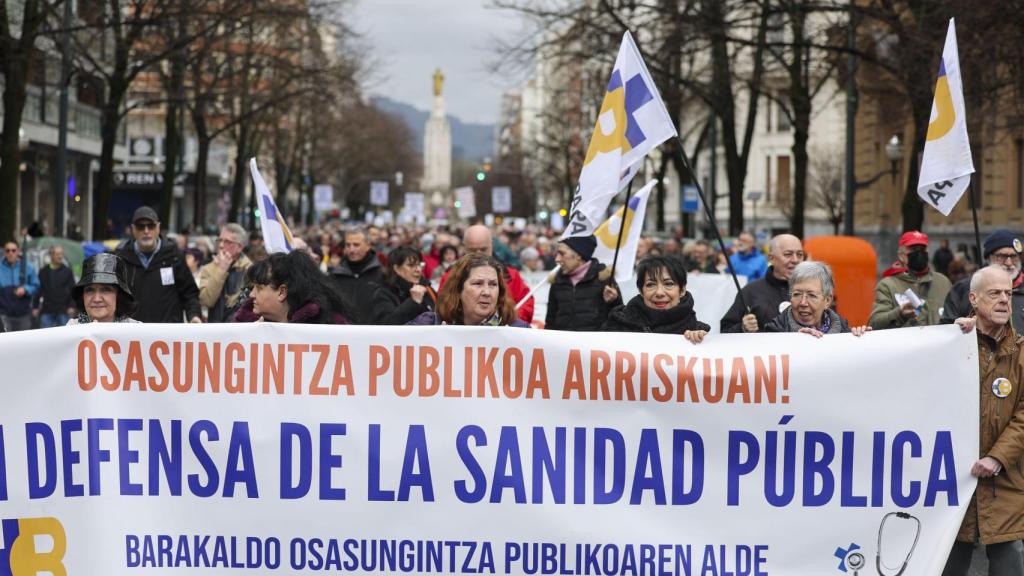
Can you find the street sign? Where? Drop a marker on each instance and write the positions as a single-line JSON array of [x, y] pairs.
[[414, 203], [690, 198], [465, 202]]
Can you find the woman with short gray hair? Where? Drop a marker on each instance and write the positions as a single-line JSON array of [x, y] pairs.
[[810, 306]]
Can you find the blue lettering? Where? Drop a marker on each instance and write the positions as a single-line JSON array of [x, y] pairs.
[[899, 443], [70, 457], [34, 433], [878, 470], [241, 468], [579, 469], [508, 456], [3, 467], [846, 496], [329, 461], [604, 494], [546, 465], [375, 492], [738, 467], [815, 468], [649, 455], [290, 487], [771, 468], [161, 456], [479, 438], [126, 456], [416, 457], [680, 439], [195, 441], [131, 549], [97, 455], [942, 475]]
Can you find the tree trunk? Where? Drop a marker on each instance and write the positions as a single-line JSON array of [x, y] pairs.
[[109, 123], [241, 173], [912, 207], [172, 152], [15, 94], [800, 103]]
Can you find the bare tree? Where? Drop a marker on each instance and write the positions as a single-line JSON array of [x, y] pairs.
[[825, 186]]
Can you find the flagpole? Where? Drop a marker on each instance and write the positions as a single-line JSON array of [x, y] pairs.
[[622, 227], [974, 214], [711, 219]]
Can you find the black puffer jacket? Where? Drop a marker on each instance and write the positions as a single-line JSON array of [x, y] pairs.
[[358, 281], [764, 296], [580, 308], [165, 291], [392, 305], [636, 317]]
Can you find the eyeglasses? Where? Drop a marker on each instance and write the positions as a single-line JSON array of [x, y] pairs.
[[145, 225], [1004, 256], [227, 241], [811, 297]]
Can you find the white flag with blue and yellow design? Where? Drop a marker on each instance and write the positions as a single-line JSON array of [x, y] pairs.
[[276, 235], [607, 234], [946, 165], [632, 122]]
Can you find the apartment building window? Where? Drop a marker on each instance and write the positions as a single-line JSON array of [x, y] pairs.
[[782, 179], [767, 178], [782, 124]]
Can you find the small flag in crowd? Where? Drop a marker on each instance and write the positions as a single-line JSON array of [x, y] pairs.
[[632, 122], [276, 235], [946, 165], [607, 234]]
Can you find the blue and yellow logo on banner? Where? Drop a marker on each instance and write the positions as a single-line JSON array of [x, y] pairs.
[[946, 112], [19, 555]]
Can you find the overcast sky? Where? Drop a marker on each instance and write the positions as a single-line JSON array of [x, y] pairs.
[[410, 38]]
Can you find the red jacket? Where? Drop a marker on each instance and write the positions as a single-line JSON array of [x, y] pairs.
[[517, 290]]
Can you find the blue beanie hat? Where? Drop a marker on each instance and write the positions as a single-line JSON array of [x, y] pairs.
[[1001, 238]]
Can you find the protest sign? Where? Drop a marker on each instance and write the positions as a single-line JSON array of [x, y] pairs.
[[283, 448]]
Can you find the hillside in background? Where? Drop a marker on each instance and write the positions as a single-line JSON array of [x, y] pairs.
[[470, 142]]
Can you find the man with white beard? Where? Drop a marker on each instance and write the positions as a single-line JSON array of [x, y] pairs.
[[1001, 248]]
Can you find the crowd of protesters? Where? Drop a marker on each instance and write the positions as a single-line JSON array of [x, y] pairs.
[[415, 275]]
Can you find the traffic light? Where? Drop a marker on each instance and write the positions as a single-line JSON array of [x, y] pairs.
[[481, 176]]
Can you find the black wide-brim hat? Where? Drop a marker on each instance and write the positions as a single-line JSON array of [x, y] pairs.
[[104, 268]]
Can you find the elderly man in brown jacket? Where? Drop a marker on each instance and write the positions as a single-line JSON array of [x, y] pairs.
[[995, 516], [221, 282]]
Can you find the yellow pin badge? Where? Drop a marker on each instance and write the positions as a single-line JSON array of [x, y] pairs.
[[1017, 245], [1002, 387]]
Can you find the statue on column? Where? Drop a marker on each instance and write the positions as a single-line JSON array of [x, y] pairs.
[[438, 82]]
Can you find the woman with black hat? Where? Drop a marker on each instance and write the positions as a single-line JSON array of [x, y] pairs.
[[582, 291], [103, 292]]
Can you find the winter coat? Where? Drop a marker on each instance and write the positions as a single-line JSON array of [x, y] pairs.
[[393, 306], [995, 513], [308, 313], [222, 289], [165, 291], [764, 297], [637, 317], [431, 319], [579, 308], [751, 264], [55, 290], [931, 287], [786, 322], [957, 304], [516, 289], [13, 277], [358, 284]]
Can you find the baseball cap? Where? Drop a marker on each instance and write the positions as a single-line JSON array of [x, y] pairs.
[[914, 238], [145, 213]]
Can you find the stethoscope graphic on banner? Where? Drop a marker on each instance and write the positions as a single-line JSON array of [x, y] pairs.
[[856, 561]]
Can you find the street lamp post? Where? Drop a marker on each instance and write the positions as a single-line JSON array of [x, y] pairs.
[[753, 196], [894, 152]]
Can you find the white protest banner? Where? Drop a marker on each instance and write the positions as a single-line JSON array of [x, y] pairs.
[[501, 199], [323, 197], [465, 202], [379, 193], [385, 450]]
